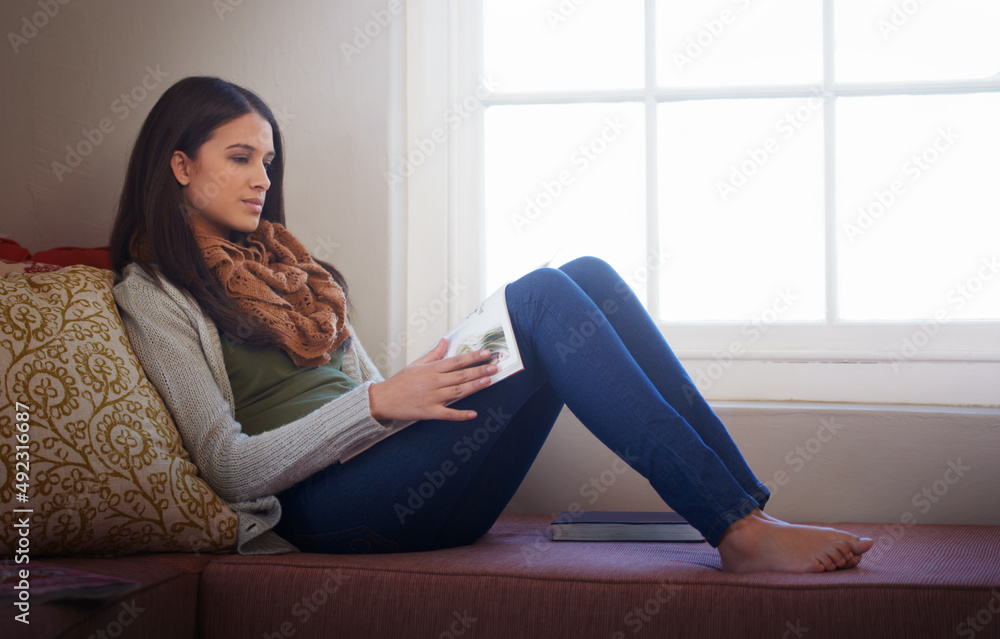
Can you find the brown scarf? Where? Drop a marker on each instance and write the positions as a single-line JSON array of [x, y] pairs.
[[271, 277]]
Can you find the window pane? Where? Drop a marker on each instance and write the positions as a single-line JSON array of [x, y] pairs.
[[916, 39], [741, 210], [739, 42], [918, 207], [564, 181], [544, 46]]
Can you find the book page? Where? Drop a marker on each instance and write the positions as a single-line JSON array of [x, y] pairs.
[[486, 327]]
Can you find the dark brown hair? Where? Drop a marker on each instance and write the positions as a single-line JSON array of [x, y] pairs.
[[152, 208]]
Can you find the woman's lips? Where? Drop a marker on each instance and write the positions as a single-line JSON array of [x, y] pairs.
[[255, 204]]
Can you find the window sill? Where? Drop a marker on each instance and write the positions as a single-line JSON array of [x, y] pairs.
[[880, 383]]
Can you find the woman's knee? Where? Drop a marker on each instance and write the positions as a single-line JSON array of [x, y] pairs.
[[587, 263], [541, 281], [593, 274]]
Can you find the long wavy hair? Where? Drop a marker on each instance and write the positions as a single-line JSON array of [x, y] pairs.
[[152, 209]]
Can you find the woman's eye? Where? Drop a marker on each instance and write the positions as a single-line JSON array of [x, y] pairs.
[[267, 166], [241, 159]]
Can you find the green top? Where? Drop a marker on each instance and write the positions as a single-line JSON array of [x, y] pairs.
[[271, 390]]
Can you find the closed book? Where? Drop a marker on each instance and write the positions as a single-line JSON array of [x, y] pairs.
[[50, 582], [623, 526]]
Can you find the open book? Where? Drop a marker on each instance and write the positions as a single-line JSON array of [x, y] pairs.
[[486, 327]]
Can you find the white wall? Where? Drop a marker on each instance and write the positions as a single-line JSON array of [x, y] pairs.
[[72, 72], [823, 463]]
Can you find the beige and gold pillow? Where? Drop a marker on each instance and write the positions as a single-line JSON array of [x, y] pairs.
[[108, 474], [7, 267]]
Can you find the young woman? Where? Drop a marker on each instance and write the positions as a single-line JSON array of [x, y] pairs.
[[247, 339]]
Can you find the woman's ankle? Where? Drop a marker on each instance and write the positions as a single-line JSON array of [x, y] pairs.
[[744, 527]]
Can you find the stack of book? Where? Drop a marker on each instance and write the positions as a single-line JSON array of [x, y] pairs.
[[623, 526]]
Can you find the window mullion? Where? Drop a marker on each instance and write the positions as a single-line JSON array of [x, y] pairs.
[[466, 149], [652, 177], [830, 163]]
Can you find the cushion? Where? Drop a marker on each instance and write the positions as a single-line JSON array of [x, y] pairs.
[[7, 267], [919, 580], [106, 471], [164, 605], [11, 250], [99, 257]]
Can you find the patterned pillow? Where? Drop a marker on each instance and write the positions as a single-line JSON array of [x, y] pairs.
[[104, 471], [7, 267]]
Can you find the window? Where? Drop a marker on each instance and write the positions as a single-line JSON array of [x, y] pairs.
[[799, 181]]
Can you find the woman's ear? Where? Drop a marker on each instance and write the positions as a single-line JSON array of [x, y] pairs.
[[180, 163]]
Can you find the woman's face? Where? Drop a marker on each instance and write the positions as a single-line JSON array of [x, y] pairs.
[[224, 186]]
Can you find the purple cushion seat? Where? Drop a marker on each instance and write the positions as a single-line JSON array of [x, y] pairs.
[[165, 604], [514, 582]]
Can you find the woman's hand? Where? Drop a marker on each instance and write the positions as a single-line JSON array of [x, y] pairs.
[[421, 390]]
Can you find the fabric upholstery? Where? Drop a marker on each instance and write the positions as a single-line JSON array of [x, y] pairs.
[[8, 267], [165, 604], [12, 251], [920, 581], [99, 257], [108, 474]]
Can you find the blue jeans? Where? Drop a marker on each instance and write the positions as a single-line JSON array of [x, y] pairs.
[[587, 343]]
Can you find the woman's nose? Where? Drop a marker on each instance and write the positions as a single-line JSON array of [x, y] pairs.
[[261, 181]]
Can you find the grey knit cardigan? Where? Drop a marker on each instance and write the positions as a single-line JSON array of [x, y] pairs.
[[180, 350]]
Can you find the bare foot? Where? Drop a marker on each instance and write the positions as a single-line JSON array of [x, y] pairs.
[[759, 542], [850, 559], [763, 515]]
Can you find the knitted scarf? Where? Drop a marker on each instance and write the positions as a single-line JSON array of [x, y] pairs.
[[294, 302], [270, 276]]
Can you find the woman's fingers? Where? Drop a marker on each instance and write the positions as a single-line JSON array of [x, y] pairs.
[[463, 361], [462, 389], [460, 383], [453, 415], [434, 354], [425, 388]]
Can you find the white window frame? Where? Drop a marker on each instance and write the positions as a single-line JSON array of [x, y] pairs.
[[956, 363]]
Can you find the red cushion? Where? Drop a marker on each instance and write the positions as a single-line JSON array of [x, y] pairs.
[[12, 251], [165, 605], [99, 257], [919, 581]]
